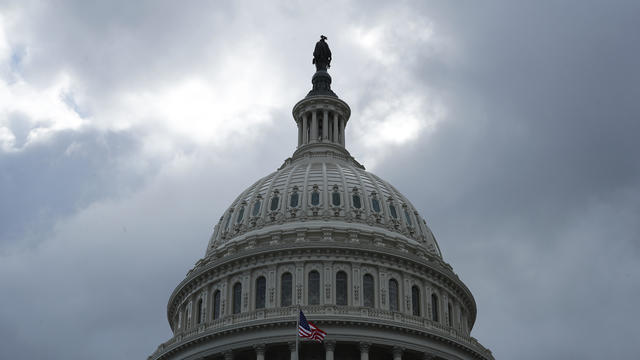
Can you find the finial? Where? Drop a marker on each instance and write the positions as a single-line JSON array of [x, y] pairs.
[[322, 55]]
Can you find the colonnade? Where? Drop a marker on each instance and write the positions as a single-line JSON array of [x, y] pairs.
[[330, 347], [329, 129]]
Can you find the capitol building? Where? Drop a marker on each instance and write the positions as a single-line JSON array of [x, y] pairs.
[[324, 235]]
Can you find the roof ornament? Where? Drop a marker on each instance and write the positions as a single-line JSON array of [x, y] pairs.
[[322, 55], [321, 80]]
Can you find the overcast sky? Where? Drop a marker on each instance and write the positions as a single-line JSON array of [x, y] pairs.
[[127, 128]]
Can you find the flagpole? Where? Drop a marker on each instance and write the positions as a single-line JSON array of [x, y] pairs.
[[297, 330]]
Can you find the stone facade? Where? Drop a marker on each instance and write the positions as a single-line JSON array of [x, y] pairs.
[[345, 246]]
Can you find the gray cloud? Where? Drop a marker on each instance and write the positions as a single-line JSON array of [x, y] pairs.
[[53, 179], [530, 181], [535, 179]]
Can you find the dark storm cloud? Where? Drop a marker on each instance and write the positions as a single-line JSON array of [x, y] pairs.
[[535, 178]]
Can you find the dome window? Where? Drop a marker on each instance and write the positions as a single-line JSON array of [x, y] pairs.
[[393, 295], [335, 196], [188, 315], [295, 198], [375, 203], [199, 312], [286, 288], [275, 202], [293, 201], [240, 215], [415, 300], [368, 290], [407, 216], [314, 288], [315, 196], [256, 208], [341, 288], [237, 298], [450, 313], [434, 307], [393, 212], [226, 224], [261, 292], [216, 305], [356, 201]]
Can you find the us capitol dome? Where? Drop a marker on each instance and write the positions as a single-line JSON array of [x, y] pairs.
[[324, 235]]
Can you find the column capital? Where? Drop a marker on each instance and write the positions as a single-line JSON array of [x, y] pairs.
[[364, 347], [259, 348], [330, 345], [228, 355], [427, 356], [292, 346], [397, 352]]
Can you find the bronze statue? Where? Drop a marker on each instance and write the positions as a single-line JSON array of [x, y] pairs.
[[322, 54]]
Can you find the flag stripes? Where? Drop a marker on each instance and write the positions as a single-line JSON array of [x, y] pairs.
[[307, 329]]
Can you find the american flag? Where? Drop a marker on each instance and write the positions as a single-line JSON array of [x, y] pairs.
[[307, 329]]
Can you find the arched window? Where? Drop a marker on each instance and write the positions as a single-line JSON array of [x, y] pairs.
[[256, 208], [199, 313], [275, 202], [295, 197], [180, 319], [415, 300], [393, 295], [335, 197], [341, 288], [356, 201], [434, 307], [286, 289], [314, 288], [450, 312], [240, 215], [261, 292], [216, 305], [237, 298], [368, 290]]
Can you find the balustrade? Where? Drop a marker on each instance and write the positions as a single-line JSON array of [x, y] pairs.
[[343, 313]]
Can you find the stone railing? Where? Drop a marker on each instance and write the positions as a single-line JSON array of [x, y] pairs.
[[323, 313]]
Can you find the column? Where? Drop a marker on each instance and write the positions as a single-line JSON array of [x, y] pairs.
[[314, 127], [292, 348], [259, 351], [228, 355], [246, 291], [397, 353], [305, 129], [325, 125], [205, 307], [335, 127], [299, 123], [341, 132], [329, 347], [364, 351]]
